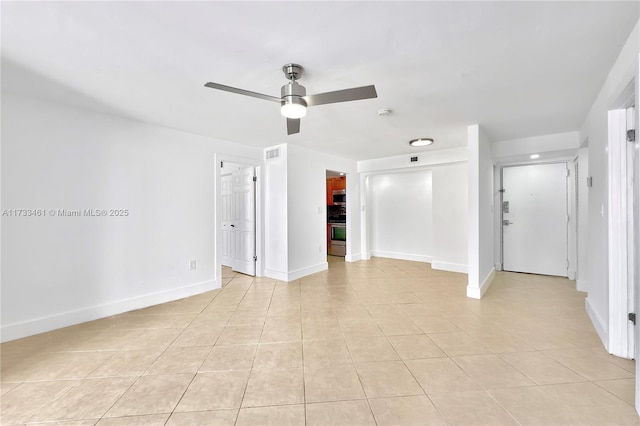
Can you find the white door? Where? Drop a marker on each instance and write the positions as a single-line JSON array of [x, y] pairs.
[[226, 192], [243, 221], [535, 220]]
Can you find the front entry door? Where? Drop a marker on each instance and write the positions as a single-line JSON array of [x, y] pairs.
[[535, 220], [243, 223]]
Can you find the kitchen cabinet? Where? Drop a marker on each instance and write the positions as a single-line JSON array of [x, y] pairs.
[[335, 184], [339, 183]]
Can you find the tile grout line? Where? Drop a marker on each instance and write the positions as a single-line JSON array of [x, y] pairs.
[[152, 363], [254, 355], [357, 372]]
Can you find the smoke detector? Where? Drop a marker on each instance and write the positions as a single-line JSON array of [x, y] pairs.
[[384, 112]]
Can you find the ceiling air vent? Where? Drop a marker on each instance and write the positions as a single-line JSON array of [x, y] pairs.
[[272, 153]]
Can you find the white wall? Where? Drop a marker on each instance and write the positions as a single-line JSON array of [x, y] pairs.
[[557, 142], [58, 271], [401, 222], [296, 213], [276, 264], [425, 159], [450, 217], [449, 201], [596, 130], [307, 212], [481, 198], [582, 270]]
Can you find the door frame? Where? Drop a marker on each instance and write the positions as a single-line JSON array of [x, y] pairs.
[[624, 300], [622, 269], [571, 227], [348, 209], [259, 212]]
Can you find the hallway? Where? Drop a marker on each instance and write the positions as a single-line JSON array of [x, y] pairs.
[[384, 342]]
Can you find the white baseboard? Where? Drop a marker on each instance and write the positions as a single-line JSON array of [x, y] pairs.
[[77, 316], [297, 274], [582, 285], [597, 322], [402, 256], [452, 267], [478, 292], [276, 275], [353, 257]]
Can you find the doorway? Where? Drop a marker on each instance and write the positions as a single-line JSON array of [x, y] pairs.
[[238, 223], [535, 219], [336, 199]]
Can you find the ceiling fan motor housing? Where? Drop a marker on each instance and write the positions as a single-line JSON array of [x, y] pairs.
[[292, 93]]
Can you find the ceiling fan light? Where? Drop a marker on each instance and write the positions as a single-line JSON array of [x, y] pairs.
[[293, 110]]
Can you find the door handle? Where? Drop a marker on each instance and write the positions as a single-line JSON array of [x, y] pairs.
[[233, 226], [505, 222]]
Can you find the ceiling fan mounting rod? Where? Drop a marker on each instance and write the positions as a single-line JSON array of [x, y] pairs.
[[293, 72]]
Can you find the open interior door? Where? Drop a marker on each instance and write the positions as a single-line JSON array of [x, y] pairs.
[[226, 195], [243, 221]]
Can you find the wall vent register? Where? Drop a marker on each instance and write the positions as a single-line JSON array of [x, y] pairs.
[[272, 153]]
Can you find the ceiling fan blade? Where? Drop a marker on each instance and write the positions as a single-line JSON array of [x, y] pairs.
[[293, 126], [242, 92], [354, 94]]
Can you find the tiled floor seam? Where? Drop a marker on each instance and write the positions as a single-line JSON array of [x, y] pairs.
[[613, 394], [244, 392], [559, 363], [425, 391], [358, 373], [502, 406], [78, 384]]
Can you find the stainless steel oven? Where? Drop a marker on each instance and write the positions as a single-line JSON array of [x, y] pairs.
[[338, 239]]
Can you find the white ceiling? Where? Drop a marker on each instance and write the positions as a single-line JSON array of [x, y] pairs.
[[519, 69]]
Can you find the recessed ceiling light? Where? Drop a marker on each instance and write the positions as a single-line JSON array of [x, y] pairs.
[[534, 156], [421, 142]]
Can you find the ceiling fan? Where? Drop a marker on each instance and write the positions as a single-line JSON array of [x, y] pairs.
[[294, 99]]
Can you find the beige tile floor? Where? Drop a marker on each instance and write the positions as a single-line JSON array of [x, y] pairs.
[[383, 342]]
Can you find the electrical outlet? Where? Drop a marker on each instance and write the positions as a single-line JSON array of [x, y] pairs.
[[192, 265]]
